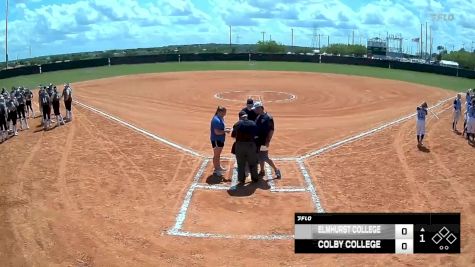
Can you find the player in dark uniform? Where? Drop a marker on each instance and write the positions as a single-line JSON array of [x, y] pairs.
[[245, 132], [265, 131], [12, 114], [68, 99], [50, 89], [56, 104], [45, 103], [251, 114], [29, 107], [21, 109], [3, 119]]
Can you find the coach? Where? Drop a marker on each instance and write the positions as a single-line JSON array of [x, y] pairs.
[[265, 131]]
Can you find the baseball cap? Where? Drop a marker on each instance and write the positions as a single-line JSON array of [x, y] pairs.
[[258, 105], [250, 101], [242, 114]]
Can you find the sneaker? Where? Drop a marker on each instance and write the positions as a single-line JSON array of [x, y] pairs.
[[16, 133], [217, 173], [262, 173], [278, 174]]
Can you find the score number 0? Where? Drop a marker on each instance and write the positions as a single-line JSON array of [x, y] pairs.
[[304, 218]]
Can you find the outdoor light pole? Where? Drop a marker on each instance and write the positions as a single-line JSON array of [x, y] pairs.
[[6, 37]]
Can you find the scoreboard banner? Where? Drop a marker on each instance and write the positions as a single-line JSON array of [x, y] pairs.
[[400, 233]]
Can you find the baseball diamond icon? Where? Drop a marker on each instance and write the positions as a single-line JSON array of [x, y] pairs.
[[444, 232]]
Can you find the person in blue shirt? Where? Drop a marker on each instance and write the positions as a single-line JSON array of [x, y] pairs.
[[218, 133], [457, 111], [421, 123]]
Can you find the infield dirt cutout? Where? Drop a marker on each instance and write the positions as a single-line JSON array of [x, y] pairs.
[[107, 195]]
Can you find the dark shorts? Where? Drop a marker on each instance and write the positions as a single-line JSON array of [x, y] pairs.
[[28, 103], [21, 111], [46, 112], [67, 104], [3, 123], [56, 108], [263, 156], [217, 144], [12, 116]]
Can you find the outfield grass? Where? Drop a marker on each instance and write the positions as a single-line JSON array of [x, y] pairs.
[[60, 77]]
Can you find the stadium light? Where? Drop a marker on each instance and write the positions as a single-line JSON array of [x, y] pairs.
[[6, 37]]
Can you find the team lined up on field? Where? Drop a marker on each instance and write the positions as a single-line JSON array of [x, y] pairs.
[[469, 117], [17, 106]]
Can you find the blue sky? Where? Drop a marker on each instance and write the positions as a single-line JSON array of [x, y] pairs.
[[65, 26]]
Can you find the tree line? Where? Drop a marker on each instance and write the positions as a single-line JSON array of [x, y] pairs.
[[465, 58]]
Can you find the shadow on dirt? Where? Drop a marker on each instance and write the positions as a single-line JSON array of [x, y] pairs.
[[247, 189]]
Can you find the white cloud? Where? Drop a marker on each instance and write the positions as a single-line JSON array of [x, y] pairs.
[[100, 24]]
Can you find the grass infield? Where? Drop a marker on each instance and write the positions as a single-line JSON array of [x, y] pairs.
[[60, 77]]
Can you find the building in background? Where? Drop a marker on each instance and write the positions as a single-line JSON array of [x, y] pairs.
[[376, 48]]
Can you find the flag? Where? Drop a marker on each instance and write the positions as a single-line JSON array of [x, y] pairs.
[[416, 40]]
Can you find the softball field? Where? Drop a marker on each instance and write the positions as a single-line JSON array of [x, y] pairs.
[[129, 181]]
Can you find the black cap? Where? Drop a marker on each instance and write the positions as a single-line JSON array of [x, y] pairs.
[[242, 113], [250, 101]]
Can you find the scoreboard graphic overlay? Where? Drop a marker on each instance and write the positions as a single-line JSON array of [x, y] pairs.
[[399, 233]]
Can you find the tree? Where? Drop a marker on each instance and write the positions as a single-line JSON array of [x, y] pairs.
[[344, 49], [271, 47], [464, 58]]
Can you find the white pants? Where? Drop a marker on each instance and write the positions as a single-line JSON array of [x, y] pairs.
[[457, 114], [421, 127], [471, 125]]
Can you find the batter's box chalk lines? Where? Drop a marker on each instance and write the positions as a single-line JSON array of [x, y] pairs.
[[180, 218], [140, 130], [365, 134], [234, 177], [310, 187], [275, 159], [286, 189]]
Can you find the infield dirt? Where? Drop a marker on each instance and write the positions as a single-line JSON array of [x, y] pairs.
[[95, 193]]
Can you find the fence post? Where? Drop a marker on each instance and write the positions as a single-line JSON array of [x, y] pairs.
[[40, 69], [179, 58], [109, 61]]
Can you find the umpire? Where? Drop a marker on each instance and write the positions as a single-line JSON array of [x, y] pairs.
[[245, 131]]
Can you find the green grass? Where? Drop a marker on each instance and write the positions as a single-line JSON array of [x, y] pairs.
[[60, 77]]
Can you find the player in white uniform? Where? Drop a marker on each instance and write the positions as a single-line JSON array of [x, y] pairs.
[[457, 111], [68, 99], [471, 122], [421, 123], [468, 103]]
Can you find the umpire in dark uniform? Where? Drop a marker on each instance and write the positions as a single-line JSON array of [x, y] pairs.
[[245, 132], [249, 110]]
